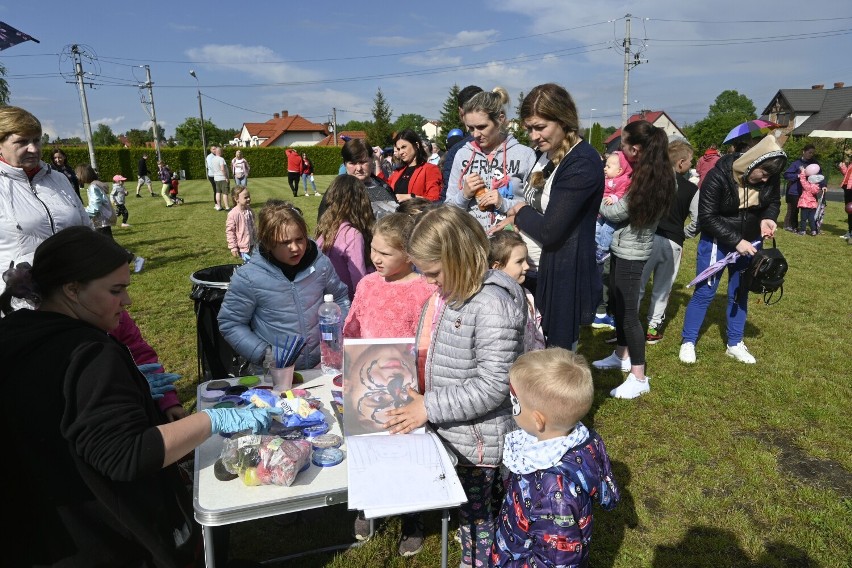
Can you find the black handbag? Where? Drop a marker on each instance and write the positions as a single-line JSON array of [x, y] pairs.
[[765, 274]]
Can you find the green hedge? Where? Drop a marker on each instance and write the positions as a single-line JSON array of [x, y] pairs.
[[264, 162]]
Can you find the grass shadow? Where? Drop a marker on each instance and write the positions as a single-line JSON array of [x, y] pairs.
[[611, 526]]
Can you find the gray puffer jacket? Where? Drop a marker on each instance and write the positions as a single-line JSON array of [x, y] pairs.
[[628, 242], [467, 369]]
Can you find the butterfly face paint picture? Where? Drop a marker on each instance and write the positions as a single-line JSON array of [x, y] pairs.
[[513, 398], [377, 374]]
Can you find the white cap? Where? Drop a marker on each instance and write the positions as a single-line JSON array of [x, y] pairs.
[[328, 298]]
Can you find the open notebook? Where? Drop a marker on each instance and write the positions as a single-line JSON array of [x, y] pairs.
[[390, 474]]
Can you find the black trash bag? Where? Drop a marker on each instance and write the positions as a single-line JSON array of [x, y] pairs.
[[216, 358]]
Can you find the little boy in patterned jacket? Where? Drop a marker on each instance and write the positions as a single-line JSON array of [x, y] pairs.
[[557, 466]]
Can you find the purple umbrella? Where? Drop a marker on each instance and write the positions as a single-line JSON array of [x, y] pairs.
[[729, 258], [705, 274]]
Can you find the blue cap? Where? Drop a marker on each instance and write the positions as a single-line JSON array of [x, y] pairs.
[[455, 132]]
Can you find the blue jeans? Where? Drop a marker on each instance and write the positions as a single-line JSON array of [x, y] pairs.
[[604, 230], [705, 291], [808, 215], [307, 178]]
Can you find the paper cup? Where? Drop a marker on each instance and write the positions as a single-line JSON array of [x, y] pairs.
[[282, 379]]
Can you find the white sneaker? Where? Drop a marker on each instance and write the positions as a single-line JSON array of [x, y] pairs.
[[740, 353], [613, 362], [125, 225], [687, 352], [138, 263], [631, 388], [217, 208]]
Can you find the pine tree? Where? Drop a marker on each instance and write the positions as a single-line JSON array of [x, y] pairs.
[[596, 138], [517, 129], [380, 131], [449, 115]]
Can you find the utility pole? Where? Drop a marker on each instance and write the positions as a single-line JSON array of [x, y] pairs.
[[334, 123], [78, 72], [629, 63], [153, 113]]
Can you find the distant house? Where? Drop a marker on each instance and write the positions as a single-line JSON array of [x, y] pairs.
[[656, 117], [431, 129], [341, 138], [282, 130], [801, 111]]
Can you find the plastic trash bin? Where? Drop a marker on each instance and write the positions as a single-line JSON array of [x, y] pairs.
[[216, 358]]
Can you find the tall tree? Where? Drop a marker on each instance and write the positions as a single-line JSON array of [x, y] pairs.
[[4, 86], [413, 121], [103, 136], [517, 129], [188, 133], [450, 115], [354, 125], [137, 137], [728, 110], [380, 131], [596, 138]]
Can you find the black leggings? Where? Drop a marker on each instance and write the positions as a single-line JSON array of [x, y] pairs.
[[293, 179], [847, 198], [624, 279]]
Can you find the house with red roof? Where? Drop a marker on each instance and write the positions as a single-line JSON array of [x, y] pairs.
[[282, 130], [658, 118], [342, 137]]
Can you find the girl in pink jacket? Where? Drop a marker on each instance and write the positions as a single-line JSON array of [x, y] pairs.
[[239, 226], [809, 180]]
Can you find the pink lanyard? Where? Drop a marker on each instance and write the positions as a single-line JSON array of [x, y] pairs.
[[488, 158]]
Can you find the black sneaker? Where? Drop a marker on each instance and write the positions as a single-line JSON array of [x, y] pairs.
[[361, 529], [411, 541]]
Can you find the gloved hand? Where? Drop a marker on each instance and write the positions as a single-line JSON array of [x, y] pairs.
[[159, 382], [245, 256], [237, 419]]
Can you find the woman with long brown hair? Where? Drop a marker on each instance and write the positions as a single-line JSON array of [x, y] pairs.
[[562, 195], [651, 192]]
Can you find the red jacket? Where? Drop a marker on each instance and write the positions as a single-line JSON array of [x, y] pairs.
[[706, 163], [426, 181], [294, 161], [847, 176]]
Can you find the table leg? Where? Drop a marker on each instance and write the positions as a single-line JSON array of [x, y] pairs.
[[209, 556], [445, 529]]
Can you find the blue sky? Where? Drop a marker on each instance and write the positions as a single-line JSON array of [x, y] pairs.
[[256, 58]]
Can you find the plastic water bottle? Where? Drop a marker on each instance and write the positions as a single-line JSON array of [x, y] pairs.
[[331, 336]]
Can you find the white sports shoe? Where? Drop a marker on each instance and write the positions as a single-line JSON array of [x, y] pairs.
[[613, 362], [138, 263], [631, 388], [687, 352], [740, 353]]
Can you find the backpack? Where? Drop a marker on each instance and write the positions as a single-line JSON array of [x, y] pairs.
[[765, 274]]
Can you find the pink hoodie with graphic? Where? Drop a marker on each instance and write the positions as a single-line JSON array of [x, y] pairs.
[[616, 187]]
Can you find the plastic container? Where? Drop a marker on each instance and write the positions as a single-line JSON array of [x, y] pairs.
[[331, 336]]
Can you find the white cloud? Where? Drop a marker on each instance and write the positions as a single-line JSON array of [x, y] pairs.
[[471, 38], [258, 62], [109, 121], [432, 59]]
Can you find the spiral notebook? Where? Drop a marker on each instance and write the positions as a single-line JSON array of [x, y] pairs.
[[390, 473]]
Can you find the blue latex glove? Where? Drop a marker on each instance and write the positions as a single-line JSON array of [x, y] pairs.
[[159, 382], [245, 256], [238, 419]]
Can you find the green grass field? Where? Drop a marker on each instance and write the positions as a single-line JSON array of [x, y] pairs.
[[722, 464]]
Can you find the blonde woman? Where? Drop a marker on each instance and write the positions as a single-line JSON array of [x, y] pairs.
[[488, 171]]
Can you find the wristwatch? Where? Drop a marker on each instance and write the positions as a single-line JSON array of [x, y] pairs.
[[411, 195]]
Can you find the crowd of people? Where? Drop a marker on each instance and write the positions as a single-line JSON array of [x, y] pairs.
[[492, 255]]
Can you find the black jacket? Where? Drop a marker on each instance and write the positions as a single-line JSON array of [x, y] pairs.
[[719, 213], [80, 428]]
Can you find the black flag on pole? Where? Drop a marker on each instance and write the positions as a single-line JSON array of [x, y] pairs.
[[10, 36]]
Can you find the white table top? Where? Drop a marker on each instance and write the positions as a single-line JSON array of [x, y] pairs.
[[225, 502]]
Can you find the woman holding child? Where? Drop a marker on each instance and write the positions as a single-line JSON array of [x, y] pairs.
[[562, 196], [652, 189]]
